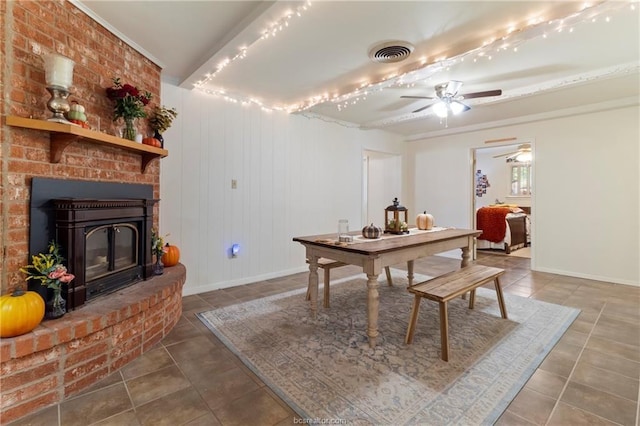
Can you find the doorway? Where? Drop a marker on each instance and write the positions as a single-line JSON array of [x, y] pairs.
[[501, 177], [382, 182]]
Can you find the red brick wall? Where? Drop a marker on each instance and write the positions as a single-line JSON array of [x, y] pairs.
[[30, 29]]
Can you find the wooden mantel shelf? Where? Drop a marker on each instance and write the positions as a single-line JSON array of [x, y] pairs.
[[62, 135]]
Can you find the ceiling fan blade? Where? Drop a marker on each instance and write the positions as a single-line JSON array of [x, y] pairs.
[[482, 94], [507, 154], [422, 109], [416, 97]]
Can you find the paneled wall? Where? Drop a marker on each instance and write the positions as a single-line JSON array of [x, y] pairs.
[[295, 176], [586, 216]]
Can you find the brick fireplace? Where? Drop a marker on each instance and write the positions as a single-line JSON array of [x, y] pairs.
[[61, 357]]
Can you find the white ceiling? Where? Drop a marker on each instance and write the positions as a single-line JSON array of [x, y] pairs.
[[545, 56]]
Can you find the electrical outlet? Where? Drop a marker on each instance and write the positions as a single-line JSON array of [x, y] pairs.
[[234, 184]]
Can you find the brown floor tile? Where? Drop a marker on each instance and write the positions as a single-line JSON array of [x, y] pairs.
[[174, 409], [619, 331], [156, 384], [572, 341], [195, 350], [95, 406], [202, 369], [218, 299], [509, 419], [194, 302], [602, 404], [264, 410], [111, 379], [619, 349], [128, 418], [606, 381], [155, 359], [207, 420], [181, 333], [610, 362], [532, 406], [546, 383], [565, 414], [225, 387], [581, 326], [558, 364]]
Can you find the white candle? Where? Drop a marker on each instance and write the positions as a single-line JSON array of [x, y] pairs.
[[58, 70]]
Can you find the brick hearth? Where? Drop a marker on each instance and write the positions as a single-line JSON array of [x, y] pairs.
[[61, 357]]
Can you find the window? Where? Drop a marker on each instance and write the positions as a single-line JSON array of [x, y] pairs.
[[521, 179]]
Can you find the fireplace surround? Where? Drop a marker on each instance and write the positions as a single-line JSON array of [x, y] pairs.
[[103, 228]]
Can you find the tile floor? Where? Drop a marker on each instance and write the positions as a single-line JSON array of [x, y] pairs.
[[190, 378]]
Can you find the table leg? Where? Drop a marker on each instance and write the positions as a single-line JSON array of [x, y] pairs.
[[410, 272], [466, 256], [313, 285], [373, 303]]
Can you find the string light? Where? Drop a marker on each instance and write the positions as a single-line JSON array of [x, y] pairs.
[[512, 38], [273, 29]]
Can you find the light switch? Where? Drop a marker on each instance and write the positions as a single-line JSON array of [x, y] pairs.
[[234, 184]]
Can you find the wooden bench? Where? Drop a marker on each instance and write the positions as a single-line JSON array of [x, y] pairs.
[[327, 265], [444, 288]]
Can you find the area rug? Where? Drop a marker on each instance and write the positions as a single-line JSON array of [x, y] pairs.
[[325, 370]]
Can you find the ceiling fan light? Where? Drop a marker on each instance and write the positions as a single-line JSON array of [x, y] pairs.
[[440, 109], [458, 107], [524, 157]]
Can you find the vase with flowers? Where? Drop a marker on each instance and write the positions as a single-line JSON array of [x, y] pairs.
[[157, 249], [160, 120], [48, 269], [129, 104]]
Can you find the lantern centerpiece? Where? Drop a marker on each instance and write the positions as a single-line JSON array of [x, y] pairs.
[[395, 219]]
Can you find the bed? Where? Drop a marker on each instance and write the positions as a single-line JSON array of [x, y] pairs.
[[504, 227]]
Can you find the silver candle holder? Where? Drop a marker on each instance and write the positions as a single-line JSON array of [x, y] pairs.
[[58, 76]]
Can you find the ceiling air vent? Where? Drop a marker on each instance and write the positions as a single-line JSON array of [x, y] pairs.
[[392, 51]]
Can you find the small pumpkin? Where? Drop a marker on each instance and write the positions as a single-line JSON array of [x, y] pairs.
[[151, 141], [424, 221], [171, 256], [76, 115], [371, 231], [20, 312], [76, 107]]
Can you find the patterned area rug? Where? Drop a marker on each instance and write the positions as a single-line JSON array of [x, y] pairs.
[[324, 368]]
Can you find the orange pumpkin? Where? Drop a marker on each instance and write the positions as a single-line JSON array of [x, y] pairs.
[[151, 141], [20, 312], [171, 257]]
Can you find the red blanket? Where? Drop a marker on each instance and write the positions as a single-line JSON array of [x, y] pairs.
[[492, 222]]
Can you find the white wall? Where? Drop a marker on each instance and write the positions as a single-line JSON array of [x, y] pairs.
[[586, 190], [384, 183], [295, 176]]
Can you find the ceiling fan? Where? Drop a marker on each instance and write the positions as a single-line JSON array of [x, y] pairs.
[[523, 154], [449, 100]]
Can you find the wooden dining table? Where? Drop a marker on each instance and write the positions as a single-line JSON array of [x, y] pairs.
[[373, 255]]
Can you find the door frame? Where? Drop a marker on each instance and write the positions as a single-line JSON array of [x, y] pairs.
[[473, 161]]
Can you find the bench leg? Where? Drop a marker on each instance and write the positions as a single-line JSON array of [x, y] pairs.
[[503, 308], [327, 278], [413, 319], [444, 332], [472, 298]]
